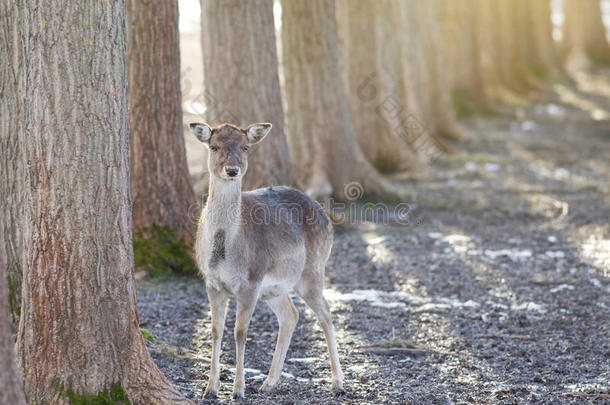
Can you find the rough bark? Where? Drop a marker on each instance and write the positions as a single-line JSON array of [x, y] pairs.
[[11, 388], [160, 184], [11, 105], [79, 327], [241, 81], [320, 134], [584, 35], [372, 72]]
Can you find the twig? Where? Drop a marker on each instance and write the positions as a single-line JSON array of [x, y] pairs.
[[503, 336], [399, 350]]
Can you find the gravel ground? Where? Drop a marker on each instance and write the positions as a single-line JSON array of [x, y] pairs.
[[498, 291]]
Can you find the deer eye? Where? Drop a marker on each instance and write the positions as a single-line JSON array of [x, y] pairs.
[[213, 148], [245, 148]]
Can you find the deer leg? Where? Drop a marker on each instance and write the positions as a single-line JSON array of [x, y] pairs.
[[245, 308], [316, 301], [287, 317], [218, 305]]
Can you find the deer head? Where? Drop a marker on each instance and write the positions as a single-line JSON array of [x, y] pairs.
[[228, 146]]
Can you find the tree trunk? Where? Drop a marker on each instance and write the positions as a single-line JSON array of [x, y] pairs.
[[12, 175], [584, 35], [79, 335], [320, 134], [424, 81], [11, 388], [541, 48], [519, 38], [458, 39], [372, 71], [160, 183], [492, 52], [422, 24], [242, 83]]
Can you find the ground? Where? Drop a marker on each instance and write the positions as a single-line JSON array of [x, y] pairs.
[[496, 291]]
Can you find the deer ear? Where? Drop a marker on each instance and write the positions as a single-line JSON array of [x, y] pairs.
[[256, 132], [203, 132]]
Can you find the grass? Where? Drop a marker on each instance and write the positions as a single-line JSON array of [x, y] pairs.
[[115, 395], [146, 334]]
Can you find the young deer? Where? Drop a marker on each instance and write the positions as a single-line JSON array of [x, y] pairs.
[[259, 244]]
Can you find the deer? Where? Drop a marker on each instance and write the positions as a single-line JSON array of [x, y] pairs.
[[255, 245]]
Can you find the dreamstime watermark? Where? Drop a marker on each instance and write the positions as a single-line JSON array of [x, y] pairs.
[[402, 124], [204, 104], [294, 209]]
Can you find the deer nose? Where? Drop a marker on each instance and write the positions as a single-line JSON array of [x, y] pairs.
[[232, 171]]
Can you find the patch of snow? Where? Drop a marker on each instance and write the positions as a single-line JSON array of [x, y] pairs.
[[528, 126], [552, 239], [492, 167], [305, 360], [460, 249], [388, 304], [467, 304], [432, 307], [513, 254], [471, 166], [496, 304], [561, 288], [554, 109], [246, 370], [556, 254], [457, 238], [596, 282], [257, 377], [386, 299], [562, 173], [435, 235], [376, 298], [287, 375], [303, 380], [374, 240], [529, 307], [357, 369]]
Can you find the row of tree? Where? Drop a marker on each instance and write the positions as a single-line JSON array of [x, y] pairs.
[[360, 91]]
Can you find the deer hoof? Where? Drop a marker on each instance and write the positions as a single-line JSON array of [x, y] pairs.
[[209, 395], [268, 385]]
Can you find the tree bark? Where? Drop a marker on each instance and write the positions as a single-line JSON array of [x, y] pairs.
[[160, 183], [11, 388], [12, 175], [326, 155], [242, 83], [372, 72], [79, 331], [584, 35]]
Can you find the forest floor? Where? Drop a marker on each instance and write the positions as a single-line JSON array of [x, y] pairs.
[[498, 291]]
